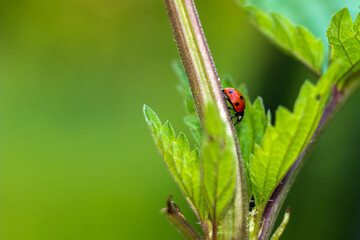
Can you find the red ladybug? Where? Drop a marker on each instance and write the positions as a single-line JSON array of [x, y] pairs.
[[237, 101]]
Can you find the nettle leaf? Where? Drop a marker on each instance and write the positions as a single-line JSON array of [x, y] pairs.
[[283, 142], [251, 130], [344, 40], [183, 164], [218, 165], [227, 81], [192, 119], [193, 123], [294, 40], [226, 230]]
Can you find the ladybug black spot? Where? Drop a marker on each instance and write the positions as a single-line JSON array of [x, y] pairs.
[[230, 92], [318, 97], [237, 104], [241, 97]]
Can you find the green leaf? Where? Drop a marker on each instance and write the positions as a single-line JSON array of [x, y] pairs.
[[227, 229], [227, 81], [292, 39], [168, 132], [183, 164], [151, 117], [193, 123], [344, 40], [251, 130], [192, 119], [218, 165], [283, 142], [315, 18]]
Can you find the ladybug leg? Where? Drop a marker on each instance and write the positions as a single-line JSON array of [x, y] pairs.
[[239, 116], [238, 120]]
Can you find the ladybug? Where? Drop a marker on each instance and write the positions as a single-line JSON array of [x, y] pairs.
[[237, 101]]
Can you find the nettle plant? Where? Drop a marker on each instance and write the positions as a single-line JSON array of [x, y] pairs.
[[217, 179]]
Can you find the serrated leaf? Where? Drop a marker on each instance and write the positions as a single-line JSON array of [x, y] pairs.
[[218, 165], [183, 164], [190, 106], [192, 178], [294, 40], [192, 119], [251, 130], [193, 123], [183, 144], [184, 84], [283, 142], [344, 40], [168, 132]]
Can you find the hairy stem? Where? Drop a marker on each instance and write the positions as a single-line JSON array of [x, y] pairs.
[[206, 88], [273, 207]]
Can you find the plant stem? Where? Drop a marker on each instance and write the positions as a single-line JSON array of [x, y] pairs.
[[206, 88], [177, 219], [273, 207], [257, 224]]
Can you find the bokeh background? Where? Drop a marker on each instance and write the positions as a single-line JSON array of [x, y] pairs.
[[76, 158]]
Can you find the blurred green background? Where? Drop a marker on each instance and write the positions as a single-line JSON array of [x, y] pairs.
[[76, 158]]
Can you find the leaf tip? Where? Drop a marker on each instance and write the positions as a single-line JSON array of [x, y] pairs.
[[168, 130], [146, 110], [151, 117]]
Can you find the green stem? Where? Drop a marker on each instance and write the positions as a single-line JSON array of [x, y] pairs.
[[258, 221], [177, 219], [206, 89]]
